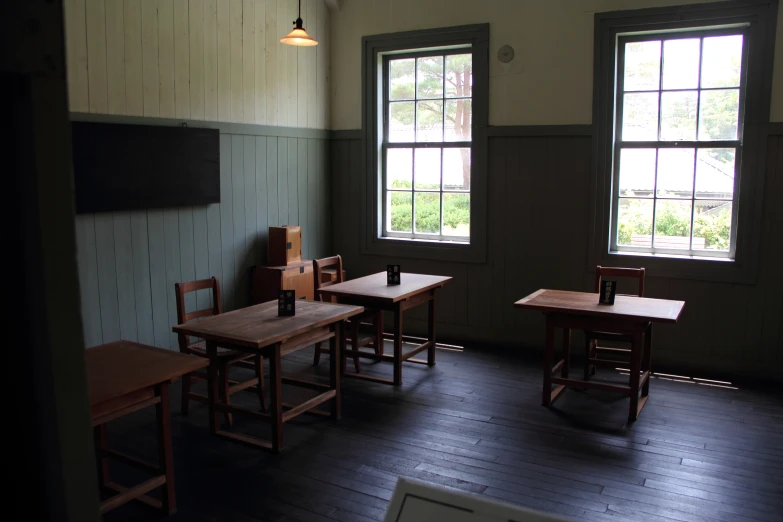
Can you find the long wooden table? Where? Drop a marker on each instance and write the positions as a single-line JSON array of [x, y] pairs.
[[373, 292], [258, 329], [124, 377], [628, 315]]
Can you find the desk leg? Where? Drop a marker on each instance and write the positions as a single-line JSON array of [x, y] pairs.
[[647, 360], [397, 344], [101, 458], [212, 386], [166, 459], [636, 361], [334, 368], [276, 415], [431, 331], [566, 353], [549, 350]]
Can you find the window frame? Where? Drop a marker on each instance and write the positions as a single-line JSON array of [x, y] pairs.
[[759, 17], [386, 144], [375, 50], [696, 144]]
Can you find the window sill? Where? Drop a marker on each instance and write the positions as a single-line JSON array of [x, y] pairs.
[[654, 255], [714, 269], [452, 251]]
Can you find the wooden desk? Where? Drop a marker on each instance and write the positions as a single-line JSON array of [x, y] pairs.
[[373, 292], [629, 315], [258, 329], [124, 377]]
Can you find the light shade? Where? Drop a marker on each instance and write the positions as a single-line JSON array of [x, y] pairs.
[[299, 37]]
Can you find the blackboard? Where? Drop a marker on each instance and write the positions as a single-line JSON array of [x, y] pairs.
[[125, 167]]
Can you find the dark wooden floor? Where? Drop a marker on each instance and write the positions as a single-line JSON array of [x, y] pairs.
[[475, 423]]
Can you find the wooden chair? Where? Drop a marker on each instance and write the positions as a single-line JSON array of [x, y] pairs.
[[226, 357], [373, 316], [592, 349]]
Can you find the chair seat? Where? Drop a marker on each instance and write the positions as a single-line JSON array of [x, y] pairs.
[[200, 348]]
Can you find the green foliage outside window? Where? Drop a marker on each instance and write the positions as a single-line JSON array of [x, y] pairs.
[[674, 220]]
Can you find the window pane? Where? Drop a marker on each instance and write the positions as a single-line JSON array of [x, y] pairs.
[[722, 61], [401, 79], [459, 75], [456, 169], [429, 81], [429, 120], [634, 223], [678, 115], [715, 173], [399, 211], [718, 115], [459, 117], [673, 224], [675, 173], [401, 121], [640, 117], [642, 66], [637, 172], [681, 64], [427, 169], [427, 212], [456, 214], [712, 225], [399, 168]]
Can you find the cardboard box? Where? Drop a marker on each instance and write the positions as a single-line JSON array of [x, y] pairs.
[[285, 245]]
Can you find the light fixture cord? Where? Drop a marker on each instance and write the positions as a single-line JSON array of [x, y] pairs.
[[300, 8]]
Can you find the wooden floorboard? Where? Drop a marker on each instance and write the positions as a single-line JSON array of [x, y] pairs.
[[474, 423]]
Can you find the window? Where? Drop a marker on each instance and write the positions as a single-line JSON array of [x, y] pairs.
[[427, 124], [425, 120], [678, 142], [681, 101]]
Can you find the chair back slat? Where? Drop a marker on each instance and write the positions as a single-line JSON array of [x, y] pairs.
[[319, 265], [632, 273], [183, 316]]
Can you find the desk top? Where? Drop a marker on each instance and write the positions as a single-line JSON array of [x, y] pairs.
[[259, 326], [624, 307], [122, 367], [373, 287]]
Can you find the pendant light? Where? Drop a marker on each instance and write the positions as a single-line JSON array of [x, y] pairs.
[[299, 36]]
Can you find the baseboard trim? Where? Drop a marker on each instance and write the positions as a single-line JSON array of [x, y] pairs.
[[509, 131], [247, 129], [524, 131], [348, 134], [775, 129]]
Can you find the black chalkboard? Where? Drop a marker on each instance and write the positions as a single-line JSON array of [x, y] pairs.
[[124, 167]]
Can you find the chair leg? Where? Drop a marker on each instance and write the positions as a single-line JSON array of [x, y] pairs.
[[355, 344], [317, 354], [343, 346], [259, 361], [378, 324], [590, 352], [224, 392], [185, 400]]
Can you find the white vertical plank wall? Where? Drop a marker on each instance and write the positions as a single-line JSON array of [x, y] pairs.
[[187, 58], [210, 60]]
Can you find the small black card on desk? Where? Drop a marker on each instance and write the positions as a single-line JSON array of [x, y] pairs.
[[392, 274], [608, 292], [286, 303]]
